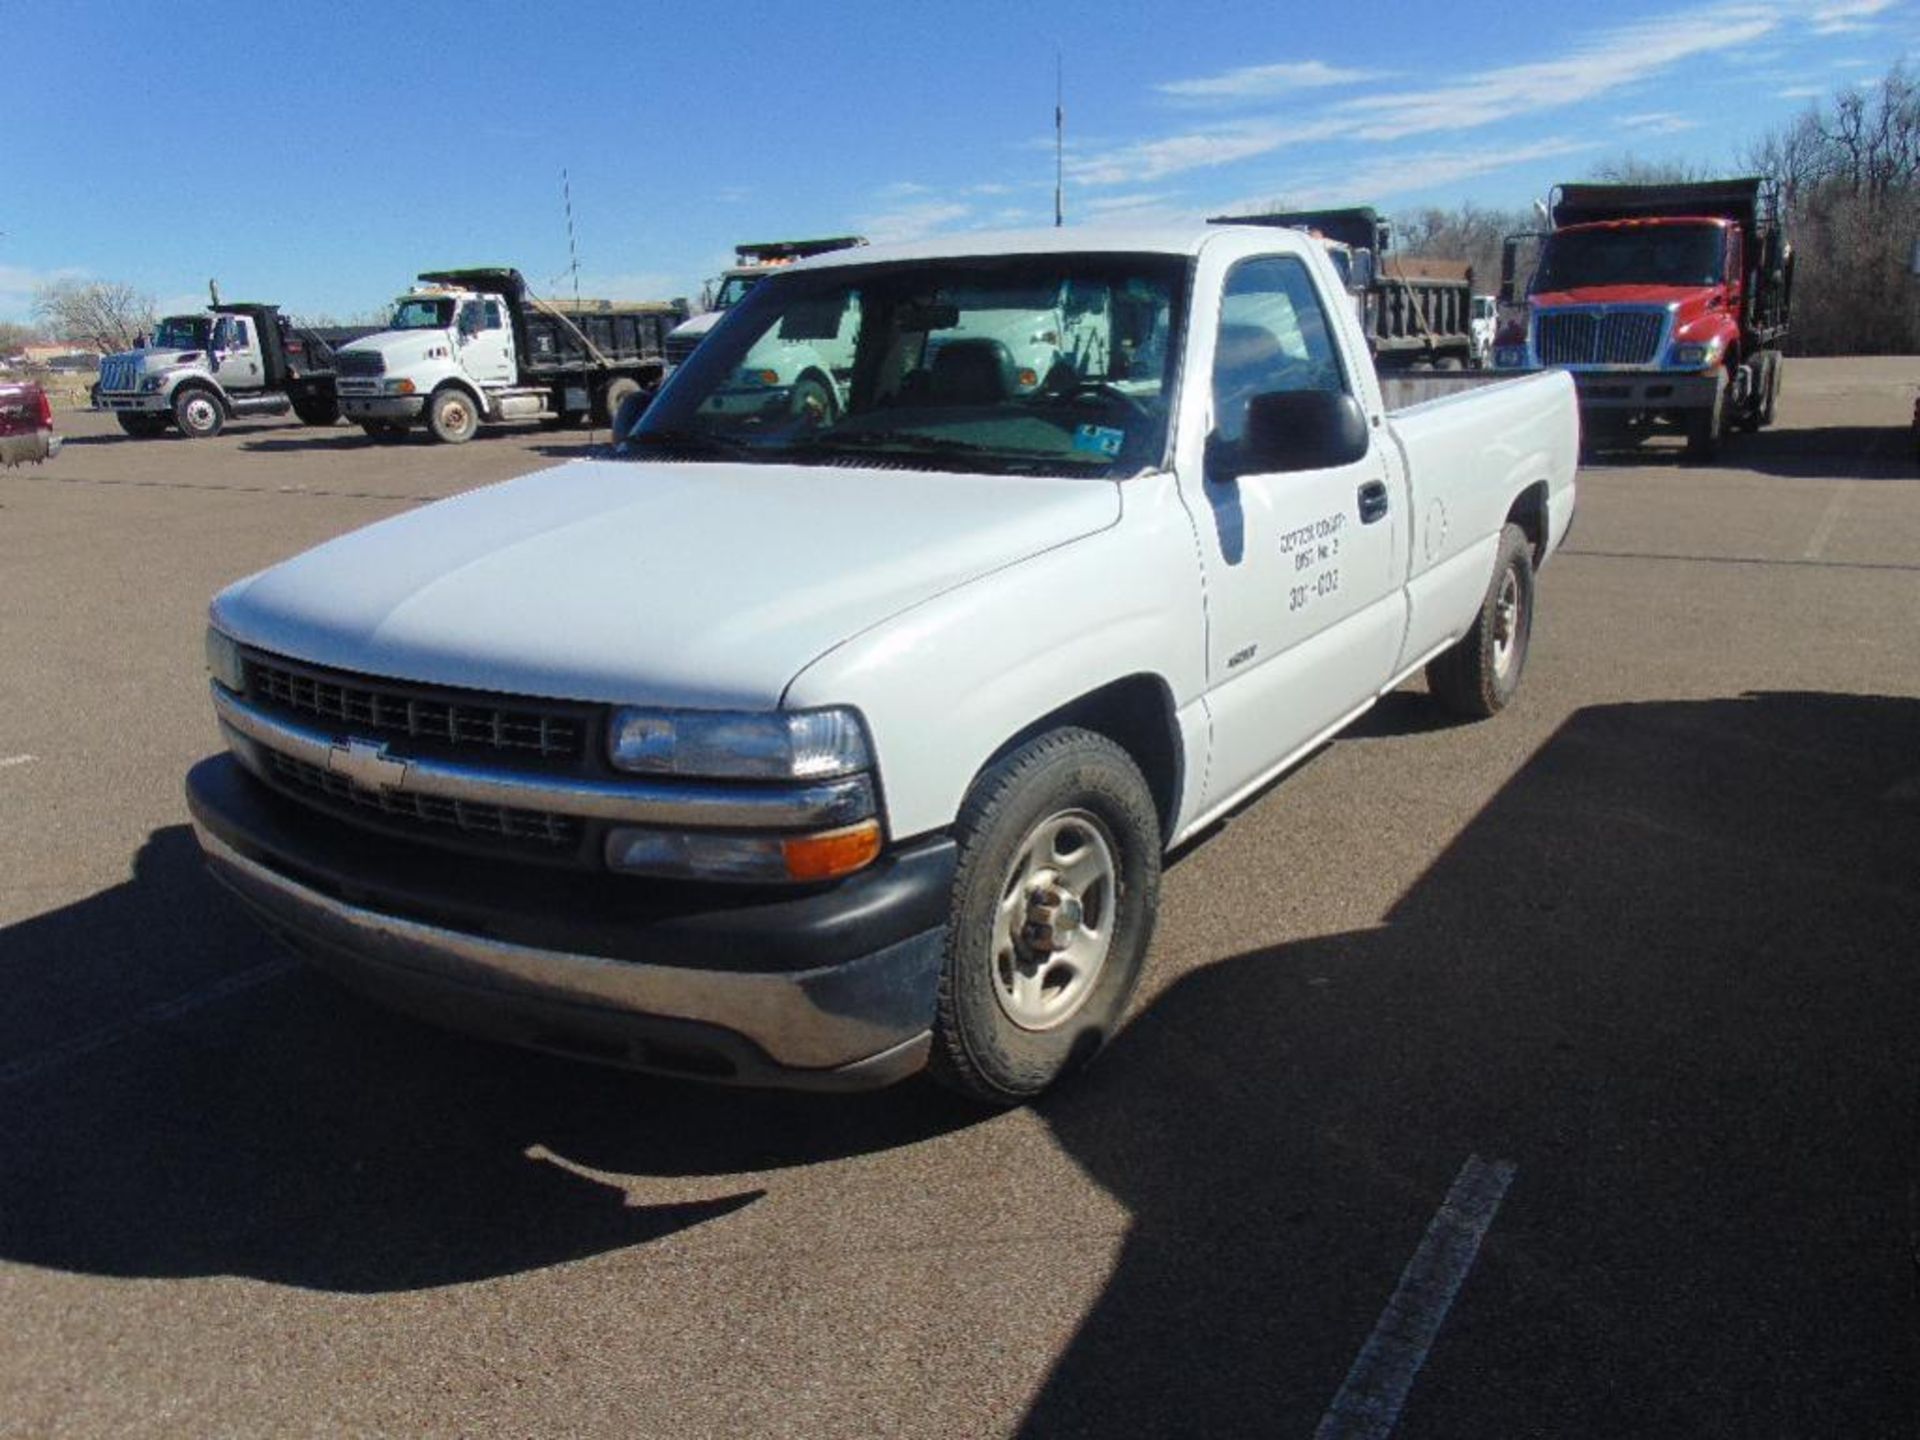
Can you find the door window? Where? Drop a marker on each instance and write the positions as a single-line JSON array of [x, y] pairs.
[[1274, 335], [242, 337], [493, 315]]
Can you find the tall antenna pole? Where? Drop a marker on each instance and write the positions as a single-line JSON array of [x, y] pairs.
[[1059, 138], [573, 264]]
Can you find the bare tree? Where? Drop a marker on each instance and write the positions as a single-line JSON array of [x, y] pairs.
[[15, 338], [105, 315], [1849, 176]]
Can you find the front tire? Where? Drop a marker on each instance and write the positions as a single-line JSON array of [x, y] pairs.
[[1478, 676], [1706, 429], [139, 424], [1054, 901], [453, 417], [813, 402], [198, 413]]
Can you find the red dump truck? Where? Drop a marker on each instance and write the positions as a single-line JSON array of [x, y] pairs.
[[1668, 303]]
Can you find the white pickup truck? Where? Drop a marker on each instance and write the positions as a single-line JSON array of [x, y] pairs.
[[814, 748]]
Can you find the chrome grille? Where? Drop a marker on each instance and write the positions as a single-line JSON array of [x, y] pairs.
[[679, 347], [488, 821], [1599, 337], [368, 706], [360, 362], [119, 372]]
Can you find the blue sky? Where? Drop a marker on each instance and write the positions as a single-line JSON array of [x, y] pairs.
[[320, 156]]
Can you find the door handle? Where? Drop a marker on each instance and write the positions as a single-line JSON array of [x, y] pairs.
[[1373, 501]]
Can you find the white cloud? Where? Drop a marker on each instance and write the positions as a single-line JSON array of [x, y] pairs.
[[18, 284], [1263, 82], [1390, 175], [1149, 160], [1799, 92], [1658, 122], [1610, 61], [911, 222], [1847, 17]]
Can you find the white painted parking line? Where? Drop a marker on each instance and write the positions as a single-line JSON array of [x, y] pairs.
[[1370, 1399], [80, 1046], [7, 762], [1823, 531]]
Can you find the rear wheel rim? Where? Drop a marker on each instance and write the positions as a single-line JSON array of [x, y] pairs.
[[1054, 920], [1507, 619]]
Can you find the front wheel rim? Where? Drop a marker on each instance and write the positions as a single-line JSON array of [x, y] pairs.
[[200, 413], [1054, 921]]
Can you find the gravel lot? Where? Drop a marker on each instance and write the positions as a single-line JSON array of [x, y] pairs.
[[1643, 948]]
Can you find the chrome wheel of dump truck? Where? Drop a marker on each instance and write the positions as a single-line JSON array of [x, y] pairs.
[[1053, 908], [198, 414]]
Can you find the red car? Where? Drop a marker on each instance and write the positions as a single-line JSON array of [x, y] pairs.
[[26, 423]]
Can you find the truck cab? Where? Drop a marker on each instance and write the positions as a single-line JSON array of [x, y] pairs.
[[753, 261], [1668, 303], [436, 336]]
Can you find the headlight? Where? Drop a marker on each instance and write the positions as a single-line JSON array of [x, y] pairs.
[[397, 387], [152, 383], [223, 661], [1510, 357], [739, 744], [1693, 357], [698, 855]]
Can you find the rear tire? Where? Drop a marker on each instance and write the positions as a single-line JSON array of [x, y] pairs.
[[618, 393], [629, 413], [1054, 901], [198, 413], [1478, 676], [317, 410], [453, 417]]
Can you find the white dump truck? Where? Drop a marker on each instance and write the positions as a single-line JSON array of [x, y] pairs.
[[466, 348]]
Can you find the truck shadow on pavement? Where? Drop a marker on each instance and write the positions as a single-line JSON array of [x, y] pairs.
[[1821, 452], [1669, 972], [290, 1132]]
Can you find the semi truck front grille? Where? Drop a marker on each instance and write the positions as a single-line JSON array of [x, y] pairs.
[[1596, 337], [119, 373], [367, 706], [360, 362], [538, 828]]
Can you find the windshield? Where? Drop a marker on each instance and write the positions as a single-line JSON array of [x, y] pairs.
[[181, 332], [417, 313], [1638, 255], [1056, 364], [734, 289]]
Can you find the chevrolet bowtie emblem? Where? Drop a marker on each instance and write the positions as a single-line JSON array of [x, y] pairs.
[[367, 766]]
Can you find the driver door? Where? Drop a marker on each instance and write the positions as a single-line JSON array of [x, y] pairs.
[[486, 344], [236, 353], [1305, 615]]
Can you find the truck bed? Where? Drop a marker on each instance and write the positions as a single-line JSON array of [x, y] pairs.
[[624, 333]]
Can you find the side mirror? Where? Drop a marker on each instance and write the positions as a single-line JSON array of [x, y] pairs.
[[1361, 279], [1289, 430]]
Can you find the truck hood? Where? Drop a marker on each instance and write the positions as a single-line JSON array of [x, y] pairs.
[[399, 348], [690, 585], [699, 324], [1693, 296]]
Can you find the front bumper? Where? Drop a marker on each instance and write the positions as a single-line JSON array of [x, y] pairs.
[[154, 402], [383, 407], [1647, 390], [828, 989]]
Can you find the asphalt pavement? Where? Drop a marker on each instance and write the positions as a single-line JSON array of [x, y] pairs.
[[1550, 1076]]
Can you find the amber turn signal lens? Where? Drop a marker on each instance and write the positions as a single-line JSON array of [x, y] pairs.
[[832, 853]]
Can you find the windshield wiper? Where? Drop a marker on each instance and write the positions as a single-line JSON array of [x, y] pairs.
[[699, 441]]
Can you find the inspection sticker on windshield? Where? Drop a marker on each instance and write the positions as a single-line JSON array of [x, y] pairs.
[[1099, 440]]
